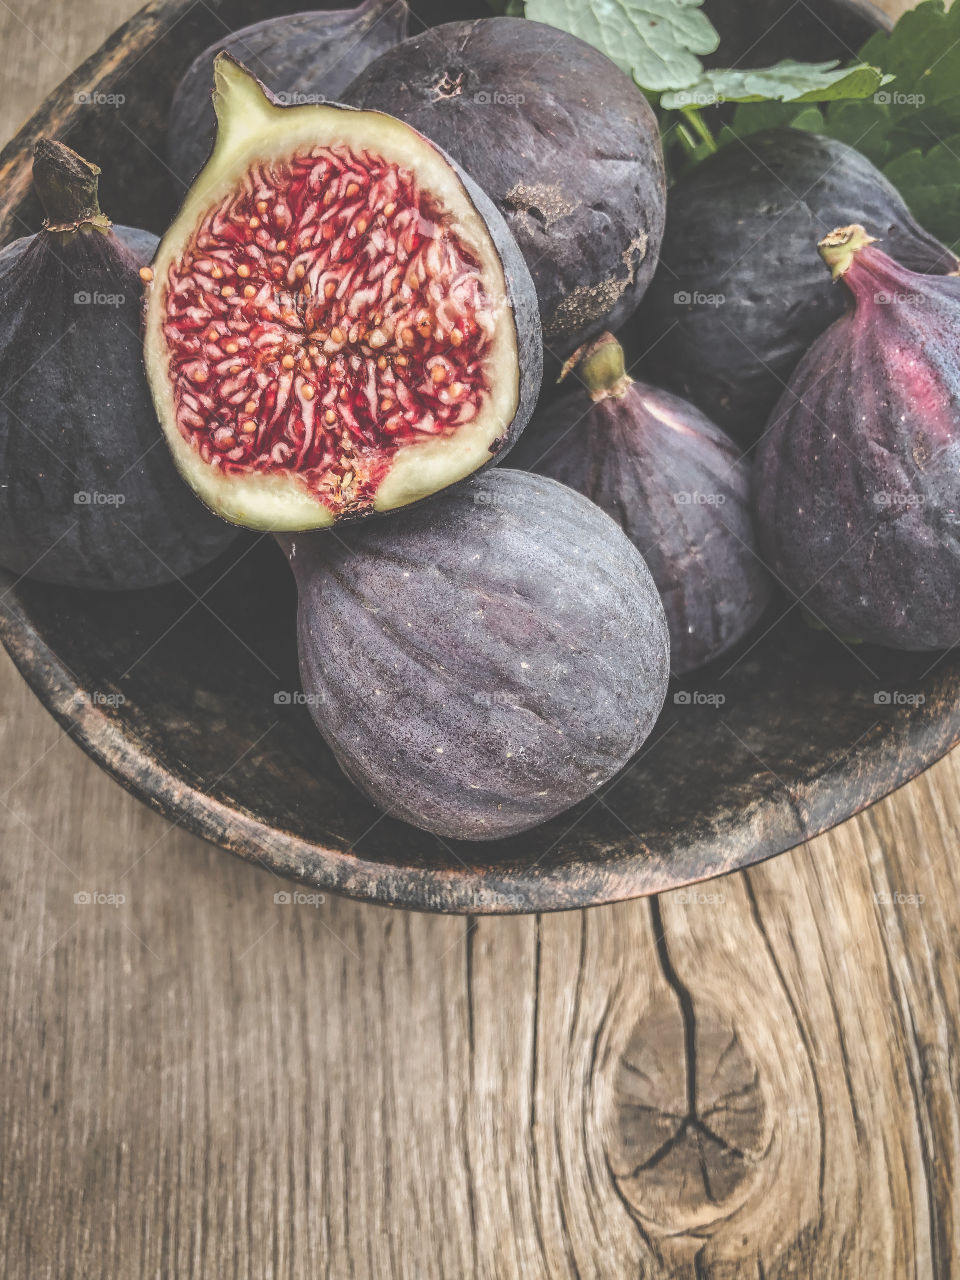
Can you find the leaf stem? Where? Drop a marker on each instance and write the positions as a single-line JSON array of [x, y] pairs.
[[695, 120]]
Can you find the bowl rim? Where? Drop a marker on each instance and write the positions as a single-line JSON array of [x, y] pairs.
[[458, 889]]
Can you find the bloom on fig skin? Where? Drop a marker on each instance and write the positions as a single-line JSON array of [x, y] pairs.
[[858, 475], [89, 497], [487, 660], [676, 484]]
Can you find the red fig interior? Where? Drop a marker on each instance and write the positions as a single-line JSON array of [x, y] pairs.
[[325, 309]]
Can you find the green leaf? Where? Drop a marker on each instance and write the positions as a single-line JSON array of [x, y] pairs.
[[657, 41], [922, 52], [753, 117], [865, 126], [788, 81], [930, 183]]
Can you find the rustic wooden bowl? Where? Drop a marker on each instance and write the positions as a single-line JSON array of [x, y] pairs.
[[181, 692]]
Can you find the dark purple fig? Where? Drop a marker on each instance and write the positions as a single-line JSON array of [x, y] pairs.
[[301, 57], [563, 142], [762, 32], [858, 476], [740, 292], [484, 661], [678, 487], [89, 496], [340, 322]]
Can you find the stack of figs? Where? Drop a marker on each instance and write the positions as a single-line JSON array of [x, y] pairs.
[[389, 252]]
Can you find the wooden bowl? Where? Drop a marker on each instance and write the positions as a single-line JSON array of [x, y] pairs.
[[187, 694]]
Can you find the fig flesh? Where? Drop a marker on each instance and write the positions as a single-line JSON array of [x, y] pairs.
[[858, 476], [485, 661], [301, 57], [564, 143], [89, 497], [740, 293], [340, 322], [675, 483]]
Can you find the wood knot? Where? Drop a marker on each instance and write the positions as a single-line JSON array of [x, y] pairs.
[[690, 1125]]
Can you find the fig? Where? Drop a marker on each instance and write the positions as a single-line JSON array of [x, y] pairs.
[[858, 476], [484, 661], [89, 497], [747, 219], [340, 321], [763, 32], [566, 145], [302, 57], [675, 483]]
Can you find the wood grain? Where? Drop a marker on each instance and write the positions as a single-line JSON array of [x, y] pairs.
[[754, 1078]]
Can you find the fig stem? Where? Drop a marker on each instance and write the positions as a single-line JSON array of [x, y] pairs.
[[840, 247], [67, 186], [600, 366]]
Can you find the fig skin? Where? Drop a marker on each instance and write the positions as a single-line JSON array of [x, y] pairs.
[[571, 156], [312, 56], [743, 226], [762, 32], [249, 116], [858, 476], [481, 663], [76, 420], [676, 484]]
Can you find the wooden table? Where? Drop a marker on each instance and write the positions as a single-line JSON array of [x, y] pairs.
[[755, 1079]]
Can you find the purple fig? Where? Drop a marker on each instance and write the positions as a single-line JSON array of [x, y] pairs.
[[858, 476], [675, 483], [487, 660]]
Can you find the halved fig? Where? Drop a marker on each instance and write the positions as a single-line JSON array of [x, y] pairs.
[[339, 322]]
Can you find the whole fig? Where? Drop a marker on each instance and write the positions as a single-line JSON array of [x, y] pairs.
[[90, 497], [676, 484], [858, 475], [559, 138], [740, 293], [484, 661]]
